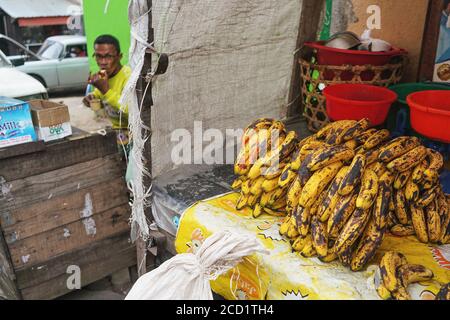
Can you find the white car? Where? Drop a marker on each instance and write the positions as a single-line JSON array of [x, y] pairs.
[[19, 85], [63, 63]]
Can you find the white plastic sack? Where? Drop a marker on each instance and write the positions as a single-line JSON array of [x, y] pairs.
[[186, 276]]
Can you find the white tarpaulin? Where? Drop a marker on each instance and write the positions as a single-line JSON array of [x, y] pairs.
[[230, 63]]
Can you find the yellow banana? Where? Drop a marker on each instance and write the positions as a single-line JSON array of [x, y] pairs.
[[256, 187], [287, 177], [408, 160], [317, 183], [388, 269], [356, 130], [293, 194], [236, 185], [354, 175], [369, 190], [401, 209], [303, 220], [376, 139], [258, 211], [401, 179], [299, 244], [245, 188], [400, 230], [269, 185], [325, 157], [308, 250], [433, 223], [412, 191], [368, 246], [242, 202], [397, 148], [418, 171], [427, 197], [420, 224], [352, 231], [275, 213], [381, 208], [436, 163], [344, 209], [319, 236], [329, 203], [284, 228]]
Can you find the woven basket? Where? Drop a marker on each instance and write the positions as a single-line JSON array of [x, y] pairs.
[[316, 77]]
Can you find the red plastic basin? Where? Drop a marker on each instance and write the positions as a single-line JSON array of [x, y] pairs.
[[336, 57], [359, 101], [430, 114]]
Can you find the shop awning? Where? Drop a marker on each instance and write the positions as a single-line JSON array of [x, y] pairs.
[[42, 21]]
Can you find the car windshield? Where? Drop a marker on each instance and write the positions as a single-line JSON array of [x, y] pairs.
[[50, 50]]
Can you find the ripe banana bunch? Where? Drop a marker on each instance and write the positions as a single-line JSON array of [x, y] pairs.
[[344, 188], [265, 167], [397, 275]]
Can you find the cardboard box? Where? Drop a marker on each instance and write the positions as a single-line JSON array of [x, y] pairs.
[[16, 125], [51, 120]]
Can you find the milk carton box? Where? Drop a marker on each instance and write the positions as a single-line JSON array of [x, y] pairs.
[[51, 120], [16, 125]]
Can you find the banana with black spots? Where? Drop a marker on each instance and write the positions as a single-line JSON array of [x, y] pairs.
[[377, 139], [436, 163], [370, 242], [409, 274], [381, 207], [401, 230], [303, 220], [427, 197], [317, 183], [344, 209], [369, 190], [408, 160], [412, 191], [319, 236], [329, 203], [354, 175], [401, 207], [419, 222], [352, 230], [433, 223], [389, 264], [325, 157], [401, 179], [397, 148]]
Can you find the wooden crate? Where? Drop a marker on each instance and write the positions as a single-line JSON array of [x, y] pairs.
[[62, 205]]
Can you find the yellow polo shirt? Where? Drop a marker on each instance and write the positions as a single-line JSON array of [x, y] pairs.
[[111, 99]]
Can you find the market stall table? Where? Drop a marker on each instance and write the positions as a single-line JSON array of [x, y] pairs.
[[63, 206]]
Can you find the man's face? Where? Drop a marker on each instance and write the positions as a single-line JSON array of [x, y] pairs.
[[107, 57]]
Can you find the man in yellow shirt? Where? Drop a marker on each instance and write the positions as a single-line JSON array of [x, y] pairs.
[[109, 83]]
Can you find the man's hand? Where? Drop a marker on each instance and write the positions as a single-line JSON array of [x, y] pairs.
[[87, 100], [100, 81]]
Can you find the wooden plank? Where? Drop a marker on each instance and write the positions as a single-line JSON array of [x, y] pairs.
[[27, 191], [41, 247], [47, 215], [308, 30], [95, 262], [84, 256], [22, 149], [8, 288], [430, 40], [147, 102], [58, 155]]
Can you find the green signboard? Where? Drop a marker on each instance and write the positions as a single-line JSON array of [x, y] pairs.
[[106, 17]]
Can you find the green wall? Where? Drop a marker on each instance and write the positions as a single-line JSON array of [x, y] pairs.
[[114, 22]]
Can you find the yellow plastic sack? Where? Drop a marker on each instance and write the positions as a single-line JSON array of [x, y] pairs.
[[284, 275]]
